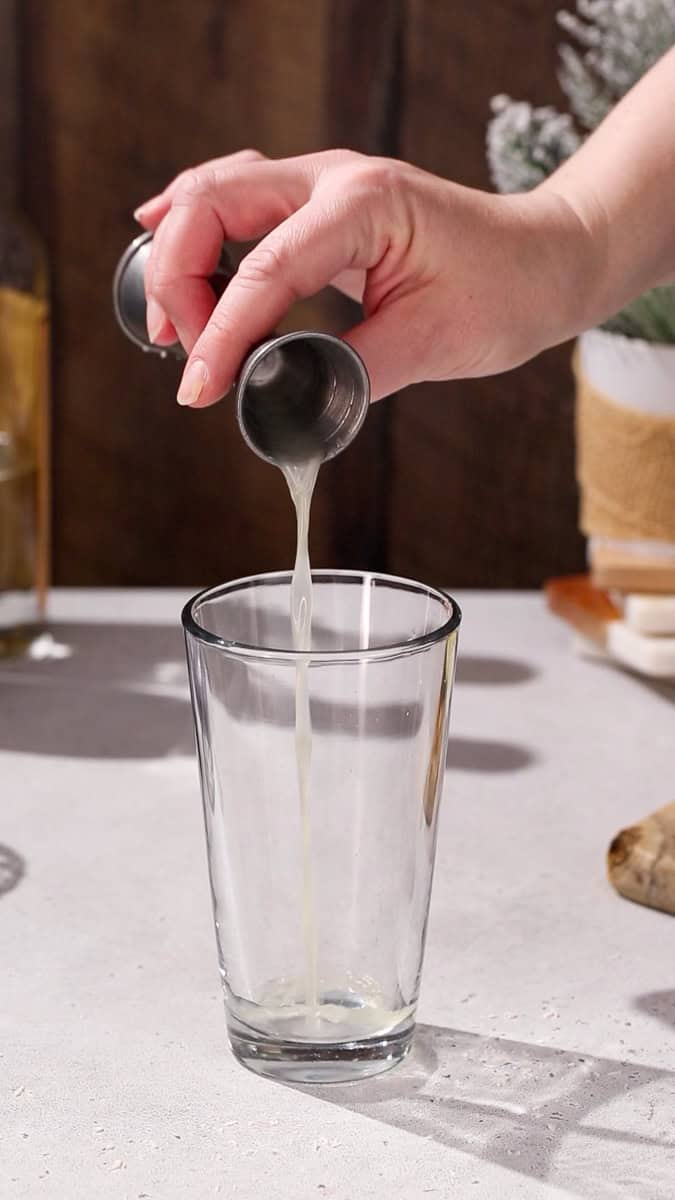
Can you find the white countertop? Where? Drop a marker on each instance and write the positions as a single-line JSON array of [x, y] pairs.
[[545, 1060]]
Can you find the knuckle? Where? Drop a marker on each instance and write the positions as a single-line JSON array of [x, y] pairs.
[[248, 155], [219, 325], [376, 176], [160, 287], [326, 162], [188, 178], [262, 265], [193, 183], [339, 155], [197, 182]]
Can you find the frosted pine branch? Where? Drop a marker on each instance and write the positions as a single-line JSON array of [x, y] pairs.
[[651, 317], [619, 41], [525, 144]]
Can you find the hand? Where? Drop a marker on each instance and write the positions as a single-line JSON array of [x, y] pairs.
[[454, 282]]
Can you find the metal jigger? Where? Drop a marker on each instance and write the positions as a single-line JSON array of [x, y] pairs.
[[298, 396]]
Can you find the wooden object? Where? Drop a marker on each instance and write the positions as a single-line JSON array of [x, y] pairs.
[[641, 861], [630, 572], [593, 614], [650, 614], [588, 609], [9, 117], [117, 103], [481, 477]]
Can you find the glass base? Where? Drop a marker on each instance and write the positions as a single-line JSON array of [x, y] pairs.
[[318, 1062]]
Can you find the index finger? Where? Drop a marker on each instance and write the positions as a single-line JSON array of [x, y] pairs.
[[301, 256], [231, 203], [151, 211]]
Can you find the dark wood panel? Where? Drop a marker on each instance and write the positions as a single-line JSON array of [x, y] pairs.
[[117, 98], [120, 96], [8, 101], [362, 89], [362, 73], [457, 57], [482, 489]]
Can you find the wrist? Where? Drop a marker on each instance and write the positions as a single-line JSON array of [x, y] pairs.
[[574, 234]]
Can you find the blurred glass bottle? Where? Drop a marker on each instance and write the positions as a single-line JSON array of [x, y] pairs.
[[24, 348]]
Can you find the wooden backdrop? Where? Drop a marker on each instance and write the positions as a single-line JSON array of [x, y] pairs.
[[462, 483]]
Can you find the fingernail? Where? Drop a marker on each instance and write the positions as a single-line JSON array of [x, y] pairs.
[[154, 318], [141, 213], [192, 383]]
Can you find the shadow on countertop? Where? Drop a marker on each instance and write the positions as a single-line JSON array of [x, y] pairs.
[[658, 1004], [531, 1109], [120, 691], [487, 670], [663, 688], [487, 757], [12, 869], [480, 754], [660, 687]]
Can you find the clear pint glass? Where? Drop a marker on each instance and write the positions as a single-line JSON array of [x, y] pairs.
[[321, 892]]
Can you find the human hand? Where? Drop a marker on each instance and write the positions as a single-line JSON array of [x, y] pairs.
[[454, 282]]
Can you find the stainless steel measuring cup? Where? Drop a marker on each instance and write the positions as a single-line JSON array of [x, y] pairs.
[[298, 395]]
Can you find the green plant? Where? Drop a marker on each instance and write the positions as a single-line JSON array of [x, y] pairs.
[[617, 41]]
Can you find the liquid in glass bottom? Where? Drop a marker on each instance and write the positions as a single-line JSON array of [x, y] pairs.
[[348, 1035]]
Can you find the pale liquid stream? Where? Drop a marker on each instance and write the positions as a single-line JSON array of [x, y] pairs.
[[301, 479], [291, 1007]]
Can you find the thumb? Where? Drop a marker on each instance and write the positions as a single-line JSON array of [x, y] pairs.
[[395, 343]]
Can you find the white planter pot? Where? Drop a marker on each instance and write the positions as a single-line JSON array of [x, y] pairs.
[[632, 373], [637, 375]]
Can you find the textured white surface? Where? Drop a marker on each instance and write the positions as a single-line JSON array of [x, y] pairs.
[[651, 657], [545, 1062], [650, 614], [641, 652]]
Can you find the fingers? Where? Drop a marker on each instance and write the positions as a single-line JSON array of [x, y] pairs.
[[152, 211], [150, 214], [317, 231], [160, 330], [301, 256], [232, 203]]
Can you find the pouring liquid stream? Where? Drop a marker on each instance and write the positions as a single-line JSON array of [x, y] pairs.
[[358, 1010], [301, 480]]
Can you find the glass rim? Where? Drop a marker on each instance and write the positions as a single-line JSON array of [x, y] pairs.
[[192, 626]]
